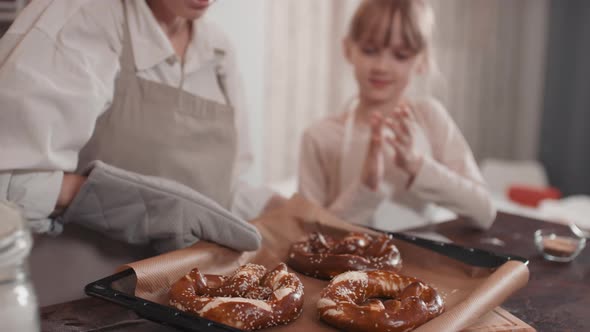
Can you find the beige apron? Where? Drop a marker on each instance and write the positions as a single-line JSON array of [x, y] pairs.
[[152, 129]]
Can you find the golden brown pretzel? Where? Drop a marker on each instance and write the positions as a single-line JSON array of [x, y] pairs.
[[350, 302], [249, 299], [325, 257]]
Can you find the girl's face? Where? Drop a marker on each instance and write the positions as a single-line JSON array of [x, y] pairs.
[[382, 72], [188, 9]]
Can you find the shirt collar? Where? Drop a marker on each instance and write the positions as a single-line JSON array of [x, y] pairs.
[[151, 46], [201, 49]]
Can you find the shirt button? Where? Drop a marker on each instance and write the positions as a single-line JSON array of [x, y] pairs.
[[172, 60]]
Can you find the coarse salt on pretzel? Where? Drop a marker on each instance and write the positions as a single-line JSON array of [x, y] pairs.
[[351, 302], [324, 257], [250, 299]]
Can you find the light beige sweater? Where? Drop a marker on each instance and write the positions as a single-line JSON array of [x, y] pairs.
[[449, 176]]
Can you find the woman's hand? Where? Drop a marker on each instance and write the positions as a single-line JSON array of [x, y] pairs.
[[70, 187], [406, 157], [371, 174]]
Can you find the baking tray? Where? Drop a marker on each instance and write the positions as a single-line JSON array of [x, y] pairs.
[[120, 288]]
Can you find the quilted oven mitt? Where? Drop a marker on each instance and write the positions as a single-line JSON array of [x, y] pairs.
[[141, 209]]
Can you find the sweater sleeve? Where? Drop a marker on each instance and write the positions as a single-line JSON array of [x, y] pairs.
[[35, 193], [451, 177]]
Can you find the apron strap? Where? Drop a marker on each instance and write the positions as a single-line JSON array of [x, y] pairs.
[[127, 59], [221, 76]]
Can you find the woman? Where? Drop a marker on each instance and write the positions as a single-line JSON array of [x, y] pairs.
[[150, 89]]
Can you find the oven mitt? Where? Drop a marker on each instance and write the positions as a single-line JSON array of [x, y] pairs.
[[141, 209]]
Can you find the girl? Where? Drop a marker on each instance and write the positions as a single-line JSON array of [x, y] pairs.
[[388, 146]]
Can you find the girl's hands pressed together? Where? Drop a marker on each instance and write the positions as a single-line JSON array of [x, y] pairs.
[[406, 156], [371, 174]]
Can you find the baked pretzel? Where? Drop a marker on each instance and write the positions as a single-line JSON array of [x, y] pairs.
[[324, 257], [250, 299], [350, 302]]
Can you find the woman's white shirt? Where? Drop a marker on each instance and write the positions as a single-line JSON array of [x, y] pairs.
[[58, 65]]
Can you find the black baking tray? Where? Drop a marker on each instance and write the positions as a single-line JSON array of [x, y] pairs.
[[120, 288], [470, 256]]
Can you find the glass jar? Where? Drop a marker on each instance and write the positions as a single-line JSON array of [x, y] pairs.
[[18, 303]]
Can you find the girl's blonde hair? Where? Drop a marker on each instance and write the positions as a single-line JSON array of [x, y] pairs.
[[373, 23]]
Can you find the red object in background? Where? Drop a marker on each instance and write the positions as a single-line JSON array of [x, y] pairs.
[[532, 196]]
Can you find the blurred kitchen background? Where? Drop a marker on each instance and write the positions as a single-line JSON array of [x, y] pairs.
[[515, 76]]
